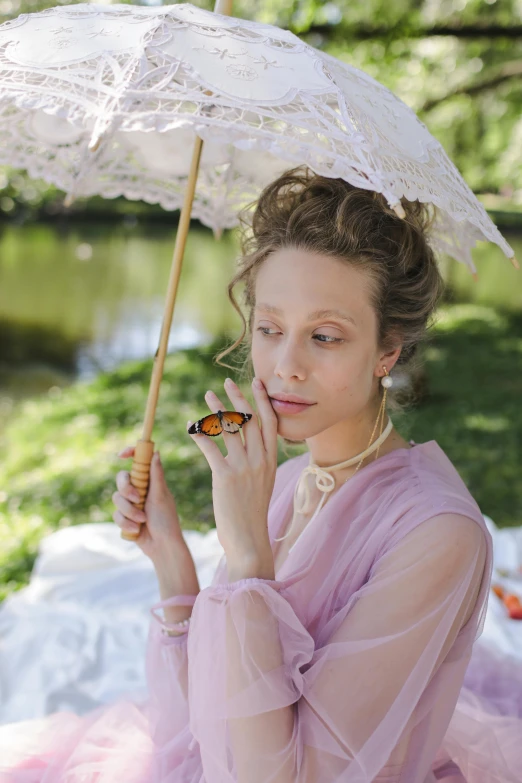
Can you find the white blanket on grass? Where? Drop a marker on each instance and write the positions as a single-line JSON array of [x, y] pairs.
[[75, 637]]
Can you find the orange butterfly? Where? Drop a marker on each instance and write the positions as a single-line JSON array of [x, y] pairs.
[[215, 423]]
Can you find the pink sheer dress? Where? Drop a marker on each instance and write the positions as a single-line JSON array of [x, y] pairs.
[[354, 665]]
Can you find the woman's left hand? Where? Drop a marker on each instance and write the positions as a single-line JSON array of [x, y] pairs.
[[243, 480]]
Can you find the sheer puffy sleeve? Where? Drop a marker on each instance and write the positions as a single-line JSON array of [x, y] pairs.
[[370, 700], [167, 676]]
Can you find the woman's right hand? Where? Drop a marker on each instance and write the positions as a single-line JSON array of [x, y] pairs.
[[162, 531]]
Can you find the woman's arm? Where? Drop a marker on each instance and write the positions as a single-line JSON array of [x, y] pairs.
[[166, 658], [176, 574], [266, 706]]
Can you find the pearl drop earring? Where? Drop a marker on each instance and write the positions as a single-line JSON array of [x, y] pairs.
[[386, 380]]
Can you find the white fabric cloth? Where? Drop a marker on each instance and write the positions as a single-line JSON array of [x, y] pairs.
[[75, 637]]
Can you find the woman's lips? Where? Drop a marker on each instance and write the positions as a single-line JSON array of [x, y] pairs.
[[288, 407]]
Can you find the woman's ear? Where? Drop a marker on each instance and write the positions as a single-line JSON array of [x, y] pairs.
[[388, 360]]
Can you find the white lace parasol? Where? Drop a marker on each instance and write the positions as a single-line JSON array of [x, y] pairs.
[[108, 99]]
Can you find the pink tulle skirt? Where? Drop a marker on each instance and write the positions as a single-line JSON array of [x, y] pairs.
[[112, 744], [484, 737], [106, 745]]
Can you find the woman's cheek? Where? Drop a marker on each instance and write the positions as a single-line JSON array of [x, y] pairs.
[[259, 355], [348, 377]]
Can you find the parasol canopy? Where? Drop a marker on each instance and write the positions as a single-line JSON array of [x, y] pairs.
[[109, 99]]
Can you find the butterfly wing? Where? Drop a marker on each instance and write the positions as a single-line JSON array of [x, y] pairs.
[[234, 420], [208, 425]]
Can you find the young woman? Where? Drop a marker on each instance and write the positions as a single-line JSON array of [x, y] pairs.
[[334, 641]]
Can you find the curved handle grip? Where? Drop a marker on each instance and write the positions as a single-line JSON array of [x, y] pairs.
[[139, 478]]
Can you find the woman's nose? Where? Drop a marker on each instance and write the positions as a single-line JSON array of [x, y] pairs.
[[290, 362]]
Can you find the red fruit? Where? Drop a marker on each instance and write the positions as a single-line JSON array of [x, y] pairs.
[[498, 590], [510, 601], [513, 605]]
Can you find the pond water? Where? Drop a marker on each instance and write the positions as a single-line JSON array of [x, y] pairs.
[[81, 298]]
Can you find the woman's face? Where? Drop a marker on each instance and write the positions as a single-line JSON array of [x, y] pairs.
[[331, 362]]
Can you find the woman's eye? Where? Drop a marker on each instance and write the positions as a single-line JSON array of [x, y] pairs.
[[328, 338], [264, 330]]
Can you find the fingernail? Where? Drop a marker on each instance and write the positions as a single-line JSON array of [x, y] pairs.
[[257, 383], [230, 382]]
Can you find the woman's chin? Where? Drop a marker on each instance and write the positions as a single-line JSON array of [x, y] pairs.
[[291, 430]]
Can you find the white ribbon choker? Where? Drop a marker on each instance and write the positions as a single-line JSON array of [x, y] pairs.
[[324, 481]]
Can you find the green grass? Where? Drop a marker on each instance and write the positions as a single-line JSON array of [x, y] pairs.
[[60, 450]]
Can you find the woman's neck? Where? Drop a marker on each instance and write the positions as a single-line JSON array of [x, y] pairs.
[[327, 450]]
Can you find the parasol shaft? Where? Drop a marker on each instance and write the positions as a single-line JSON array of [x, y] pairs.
[[140, 471], [223, 7], [175, 272], [143, 452]]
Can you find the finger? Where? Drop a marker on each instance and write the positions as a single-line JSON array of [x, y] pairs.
[[125, 487], [128, 509], [156, 467], [125, 524], [251, 430], [268, 417], [233, 440], [211, 450], [128, 451]]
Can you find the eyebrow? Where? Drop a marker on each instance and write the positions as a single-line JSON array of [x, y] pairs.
[[313, 316]]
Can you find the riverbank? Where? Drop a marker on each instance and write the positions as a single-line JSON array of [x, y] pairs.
[[60, 450]]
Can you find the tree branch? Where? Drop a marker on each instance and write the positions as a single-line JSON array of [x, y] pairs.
[[511, 70], [361, 32]]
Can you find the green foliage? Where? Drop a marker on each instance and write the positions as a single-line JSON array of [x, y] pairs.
[[473, 406], [61, 463]]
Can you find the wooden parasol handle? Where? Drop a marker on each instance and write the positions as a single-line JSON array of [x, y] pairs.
[[139, 476], [140, 471]]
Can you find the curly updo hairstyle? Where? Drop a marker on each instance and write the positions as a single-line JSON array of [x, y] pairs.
[[301, 209]]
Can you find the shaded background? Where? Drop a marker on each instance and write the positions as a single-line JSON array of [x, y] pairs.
[[82, 291]]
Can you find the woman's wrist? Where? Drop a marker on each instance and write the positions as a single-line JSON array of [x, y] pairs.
[[180, 629], [176, 574]]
